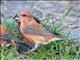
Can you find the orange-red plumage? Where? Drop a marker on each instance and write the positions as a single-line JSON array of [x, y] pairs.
[[21, 45], [4, 36], [32, 30], [2, 30]]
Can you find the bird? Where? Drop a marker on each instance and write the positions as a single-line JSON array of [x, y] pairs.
[[32, 30], [5, 37], [21, 46]]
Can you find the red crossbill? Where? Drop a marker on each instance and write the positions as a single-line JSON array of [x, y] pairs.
[[32, 30], [22, 46], [4, 36]]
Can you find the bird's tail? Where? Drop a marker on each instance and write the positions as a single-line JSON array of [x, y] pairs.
[[59, 37]]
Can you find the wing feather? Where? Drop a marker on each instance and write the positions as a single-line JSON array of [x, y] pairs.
[[34, 31]]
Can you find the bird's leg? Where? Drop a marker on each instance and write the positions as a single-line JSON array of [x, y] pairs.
[[36, 46], [20, 56]]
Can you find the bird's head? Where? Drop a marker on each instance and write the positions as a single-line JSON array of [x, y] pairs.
[[23, 15]]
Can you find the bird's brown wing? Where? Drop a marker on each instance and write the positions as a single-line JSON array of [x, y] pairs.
[[34, 31]]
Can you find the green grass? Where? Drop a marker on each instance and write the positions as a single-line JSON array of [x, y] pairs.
[[58, 50]]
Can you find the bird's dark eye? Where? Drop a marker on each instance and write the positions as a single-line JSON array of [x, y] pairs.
[[23, 15]]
